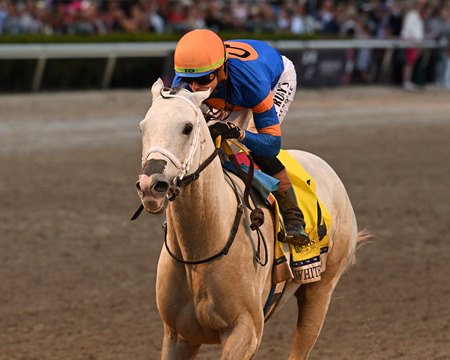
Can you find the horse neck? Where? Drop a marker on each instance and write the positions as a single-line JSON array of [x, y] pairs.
[[202, 214]]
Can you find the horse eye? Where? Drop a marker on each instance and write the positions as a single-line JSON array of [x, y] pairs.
[[188, 129]]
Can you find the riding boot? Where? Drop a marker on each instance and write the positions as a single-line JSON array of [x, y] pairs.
[[294, 221]]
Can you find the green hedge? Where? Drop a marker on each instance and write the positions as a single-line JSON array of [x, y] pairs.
[[141, 37]]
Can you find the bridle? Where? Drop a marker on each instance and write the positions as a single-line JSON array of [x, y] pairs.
[[182, 166], [182, 178]]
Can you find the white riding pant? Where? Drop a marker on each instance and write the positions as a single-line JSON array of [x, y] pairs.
[[283, 94]]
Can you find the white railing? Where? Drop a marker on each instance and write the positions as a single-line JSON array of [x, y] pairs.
[[112, 51]]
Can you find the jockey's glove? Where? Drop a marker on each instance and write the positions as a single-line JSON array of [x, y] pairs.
[[228, 130]]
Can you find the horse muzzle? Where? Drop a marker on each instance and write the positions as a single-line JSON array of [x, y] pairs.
[[153, 192]]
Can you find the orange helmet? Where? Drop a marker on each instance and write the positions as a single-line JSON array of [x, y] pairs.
[[199, 53]]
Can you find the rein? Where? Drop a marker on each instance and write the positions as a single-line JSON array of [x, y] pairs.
[[231, 237], [256, 215]]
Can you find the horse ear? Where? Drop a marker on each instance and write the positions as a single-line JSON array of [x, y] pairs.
[[199, 96], [156, 88]]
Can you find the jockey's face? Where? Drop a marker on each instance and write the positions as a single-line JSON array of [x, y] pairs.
[[208, 82], [195, 86]]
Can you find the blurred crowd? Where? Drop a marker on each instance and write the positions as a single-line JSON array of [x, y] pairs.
[[376, 18], [414, 20]]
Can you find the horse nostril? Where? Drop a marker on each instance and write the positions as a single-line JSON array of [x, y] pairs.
[[161, 186]]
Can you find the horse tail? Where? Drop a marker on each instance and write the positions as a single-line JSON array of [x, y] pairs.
[[363, 236]]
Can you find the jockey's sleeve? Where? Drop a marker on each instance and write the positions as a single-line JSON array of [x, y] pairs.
[[267, 141], [262, 144]]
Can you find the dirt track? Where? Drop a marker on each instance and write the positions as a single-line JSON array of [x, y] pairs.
[[77, 278]]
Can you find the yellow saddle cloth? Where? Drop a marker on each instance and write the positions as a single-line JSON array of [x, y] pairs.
[[309, 261], [302, 264]]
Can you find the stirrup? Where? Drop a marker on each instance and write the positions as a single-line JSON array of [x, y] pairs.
[[297, 240], [300, 238]]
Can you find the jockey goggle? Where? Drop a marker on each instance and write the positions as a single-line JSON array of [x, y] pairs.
[[201, 80]]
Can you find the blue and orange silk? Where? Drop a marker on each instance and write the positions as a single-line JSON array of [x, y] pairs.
[[254, 68]]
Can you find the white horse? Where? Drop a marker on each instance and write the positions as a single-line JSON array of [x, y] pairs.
[[221, 300]]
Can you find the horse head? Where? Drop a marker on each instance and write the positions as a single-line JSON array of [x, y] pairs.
[[173, 134]]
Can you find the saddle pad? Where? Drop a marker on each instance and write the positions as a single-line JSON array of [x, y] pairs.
[[263, 183], [309, 261]]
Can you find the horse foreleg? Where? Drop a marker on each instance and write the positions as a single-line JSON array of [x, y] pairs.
[[243, 340], [174, 348], [313, 301]]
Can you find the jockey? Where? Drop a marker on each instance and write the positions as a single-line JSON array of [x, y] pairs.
[[245, 74]]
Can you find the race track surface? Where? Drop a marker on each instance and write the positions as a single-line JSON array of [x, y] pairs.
[[77, 277]]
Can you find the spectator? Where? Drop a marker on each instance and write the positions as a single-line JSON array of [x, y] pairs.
[[267, 18], [92, 16], [29, 22], [383, 28], [176, 17], [84, 19], [134, 22], [302, 22], [298, 25], [413, 31], [328, 19], [12, 23], [437, 27], [80, 25], [195, 18], [154, 20], [447, 70], [228, 21], [3, 16], [240, 13], [350, 23], [214, 17], [446, 34], [395, 20], [112, 15], [364, 57], [285, 15]]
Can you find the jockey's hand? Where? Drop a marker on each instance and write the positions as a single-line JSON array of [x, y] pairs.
[[228, 130]]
